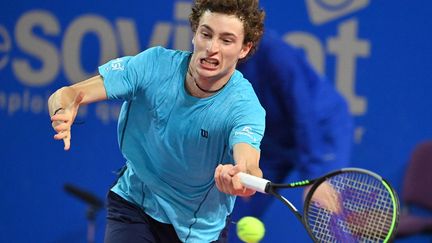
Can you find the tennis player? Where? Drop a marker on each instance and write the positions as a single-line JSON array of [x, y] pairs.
[[189, 123]]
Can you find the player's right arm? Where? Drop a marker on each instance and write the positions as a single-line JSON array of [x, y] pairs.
[[63, 105]]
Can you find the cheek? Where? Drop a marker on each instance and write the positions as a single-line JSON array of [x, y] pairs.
[[231, 56], [199, 44]]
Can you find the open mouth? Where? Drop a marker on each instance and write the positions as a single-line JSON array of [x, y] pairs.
[[209, 62]]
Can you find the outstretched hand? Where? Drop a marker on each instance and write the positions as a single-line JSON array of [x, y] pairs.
[[64, 117], [228, 181]]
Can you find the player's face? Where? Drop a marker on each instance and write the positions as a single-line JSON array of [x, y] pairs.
[[218, 45]]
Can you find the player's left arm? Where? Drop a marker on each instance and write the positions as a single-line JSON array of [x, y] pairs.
[[246, 159]]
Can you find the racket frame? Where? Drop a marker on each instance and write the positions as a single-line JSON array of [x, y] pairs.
[[393, 195], [266, 186]]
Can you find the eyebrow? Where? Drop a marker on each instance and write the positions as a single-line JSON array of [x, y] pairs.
[[225, 34]]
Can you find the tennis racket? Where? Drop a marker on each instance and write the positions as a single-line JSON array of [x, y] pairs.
[[348, 205]]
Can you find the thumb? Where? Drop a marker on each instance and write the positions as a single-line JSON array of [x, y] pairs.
[[237, 185], [236, 169]]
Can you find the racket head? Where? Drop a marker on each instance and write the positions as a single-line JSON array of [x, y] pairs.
[[351, 205]]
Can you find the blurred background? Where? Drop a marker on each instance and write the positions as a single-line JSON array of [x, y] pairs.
[[376, 53]]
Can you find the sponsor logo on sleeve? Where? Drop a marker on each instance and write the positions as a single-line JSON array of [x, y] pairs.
[[246, 131]]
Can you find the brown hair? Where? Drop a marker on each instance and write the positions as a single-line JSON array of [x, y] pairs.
[[247, 11]]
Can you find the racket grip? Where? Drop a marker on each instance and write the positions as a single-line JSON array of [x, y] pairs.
[[253, 182]]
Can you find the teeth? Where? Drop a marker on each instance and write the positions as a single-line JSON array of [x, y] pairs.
[[210, 61]]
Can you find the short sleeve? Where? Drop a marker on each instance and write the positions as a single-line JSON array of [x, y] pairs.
[[125, 77], [249, 125]]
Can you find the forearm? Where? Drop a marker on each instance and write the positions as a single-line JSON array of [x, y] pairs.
[[247, 158], [92, 90]]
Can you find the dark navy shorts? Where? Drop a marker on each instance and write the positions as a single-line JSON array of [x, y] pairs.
[[126, 222]]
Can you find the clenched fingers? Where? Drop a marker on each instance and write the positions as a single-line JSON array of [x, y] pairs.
[[222, 178], [227, 181], [62, 125]]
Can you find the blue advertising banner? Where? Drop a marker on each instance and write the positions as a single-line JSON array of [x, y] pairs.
[[376, 53]]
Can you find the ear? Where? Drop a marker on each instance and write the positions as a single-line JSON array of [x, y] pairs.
[[245, 50], [193, 40]]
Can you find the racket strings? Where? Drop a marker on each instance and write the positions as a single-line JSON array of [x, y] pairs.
[[365, 211], [372, 205]]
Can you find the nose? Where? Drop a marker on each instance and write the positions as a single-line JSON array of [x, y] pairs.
[[212, 46]]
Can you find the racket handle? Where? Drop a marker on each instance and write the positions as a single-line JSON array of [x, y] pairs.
[[253, 182]]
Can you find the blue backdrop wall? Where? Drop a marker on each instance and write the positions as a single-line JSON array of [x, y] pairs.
[[377, 53]]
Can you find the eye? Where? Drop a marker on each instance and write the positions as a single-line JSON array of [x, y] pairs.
[[205, 34], [227, 41]]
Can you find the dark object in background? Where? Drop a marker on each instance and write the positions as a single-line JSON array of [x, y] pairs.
[[94, 205], [417, 193]]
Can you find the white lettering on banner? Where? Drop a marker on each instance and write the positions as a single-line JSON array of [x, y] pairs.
[[35, 34], [312, 46], [5, 46], [322, 11], [26, 101], [160, 35], [44, 51], [34, 45], [182, 32], [72, 44], [346, 47], [128, 36]]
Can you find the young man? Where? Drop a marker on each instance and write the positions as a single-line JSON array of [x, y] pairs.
[[190, 122]]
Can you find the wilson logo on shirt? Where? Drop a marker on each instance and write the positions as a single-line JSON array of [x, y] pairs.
[[204, 133]]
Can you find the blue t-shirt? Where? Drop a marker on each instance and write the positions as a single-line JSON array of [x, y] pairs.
[[173, 141]]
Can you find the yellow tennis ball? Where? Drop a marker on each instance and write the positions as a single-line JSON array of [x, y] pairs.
[[250, 229]]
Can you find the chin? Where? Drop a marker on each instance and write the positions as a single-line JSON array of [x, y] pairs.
[[208, 74]]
